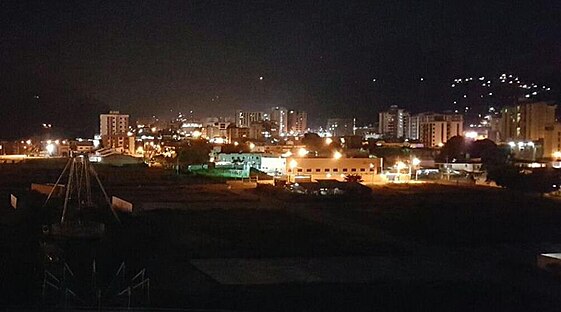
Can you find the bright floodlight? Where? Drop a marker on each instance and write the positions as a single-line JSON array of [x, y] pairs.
[[416, 161], [50, 148], [337, 155], [557, 154], [196, 133], [302, 152], [328, 141], [400, 165], [293, 164]]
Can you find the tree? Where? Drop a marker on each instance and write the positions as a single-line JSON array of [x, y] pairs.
[[453, 150], [353, 178], [194, 152]]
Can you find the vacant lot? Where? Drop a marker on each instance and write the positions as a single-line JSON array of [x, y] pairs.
[[421, 247]]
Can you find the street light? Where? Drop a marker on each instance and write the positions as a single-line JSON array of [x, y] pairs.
[[302, 152], [557, 154], [328, 141], [337, 155], [292, 164], [415, 161]]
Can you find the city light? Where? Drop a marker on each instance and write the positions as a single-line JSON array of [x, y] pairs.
[[50, 148], [416, 161], [400, 165], [471, 135], [337, 155], [557, 155], [196, 134], [287, 154], [302, 152], [328, 141], [293, 164], [251, 145]]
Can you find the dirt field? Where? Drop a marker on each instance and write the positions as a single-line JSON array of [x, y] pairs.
[[411, 247]]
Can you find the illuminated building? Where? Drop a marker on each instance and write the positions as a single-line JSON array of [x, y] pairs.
[[280, 116], [526, 121], [340, 126], [113, 123], [437, 129], [333, 167], [297, 122], [392, 123], [552, 141], [244, 119]]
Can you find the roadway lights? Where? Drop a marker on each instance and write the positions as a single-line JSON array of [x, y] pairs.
[[302, 152], [337, 155], [293, 164], [50, 148]]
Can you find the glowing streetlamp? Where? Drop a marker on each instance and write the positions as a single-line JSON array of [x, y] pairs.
[[50, 148], [337, 155], [292, 164], [302, 152], [416, 162]]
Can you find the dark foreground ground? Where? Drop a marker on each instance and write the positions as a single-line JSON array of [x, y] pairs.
[[417, 247]]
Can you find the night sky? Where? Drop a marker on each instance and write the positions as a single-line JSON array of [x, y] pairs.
[[65, 62]]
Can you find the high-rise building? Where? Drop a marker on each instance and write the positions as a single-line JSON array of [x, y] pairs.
[[392, 123], [113, 123], [526, 121], [341, 126], [280, 116], [244, 119], [411, 126], [436, 129], [297, 122], [552, 141]]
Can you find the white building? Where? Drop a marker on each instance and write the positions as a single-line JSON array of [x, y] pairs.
[[244, 119], [436, 129], [280, 116], [113, 123]]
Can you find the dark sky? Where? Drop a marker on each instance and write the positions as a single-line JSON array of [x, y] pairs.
[[150, 57]]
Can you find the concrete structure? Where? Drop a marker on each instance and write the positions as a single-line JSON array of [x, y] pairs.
[[552, 141], [297, 122], [236, 133], [340, 126], [412, 127], [280, 116], [113, 123], [269, 164], [245, 118], [526, 121], [436, 129], [331, 168], [391, 123], [121, 143]]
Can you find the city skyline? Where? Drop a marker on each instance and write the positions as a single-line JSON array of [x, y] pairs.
[[336, 60]]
